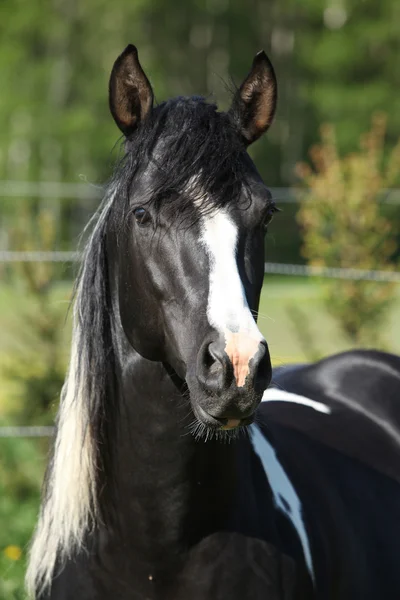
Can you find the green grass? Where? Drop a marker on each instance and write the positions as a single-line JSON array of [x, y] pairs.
[[281, 294], [22, 461]]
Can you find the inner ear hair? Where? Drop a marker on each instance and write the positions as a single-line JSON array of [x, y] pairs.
[[130, 93], [254, 105]]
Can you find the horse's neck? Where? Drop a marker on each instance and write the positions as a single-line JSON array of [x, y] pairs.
[[169, 489]]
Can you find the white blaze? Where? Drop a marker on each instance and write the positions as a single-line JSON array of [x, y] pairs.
[[228, 310]]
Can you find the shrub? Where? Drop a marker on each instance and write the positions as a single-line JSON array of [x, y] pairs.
[[344, 225], [33, 366]]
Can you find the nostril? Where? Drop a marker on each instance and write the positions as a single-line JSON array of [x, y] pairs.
[[208, 358], [213, 370], [221, 366], [214, 361], [263, 371]]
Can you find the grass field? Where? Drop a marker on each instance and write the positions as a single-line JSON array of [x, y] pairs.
[[22, 461]]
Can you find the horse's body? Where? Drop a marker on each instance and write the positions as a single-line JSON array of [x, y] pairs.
[[150, 493]]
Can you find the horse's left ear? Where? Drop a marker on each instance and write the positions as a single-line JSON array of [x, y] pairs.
[[254, 103], [130, 93]]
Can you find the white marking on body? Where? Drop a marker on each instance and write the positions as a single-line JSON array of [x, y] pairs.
[[69, 505], [285, 497], [227, 309], [277, 395]]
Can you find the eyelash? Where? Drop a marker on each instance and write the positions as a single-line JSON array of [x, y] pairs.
[[272, 209]]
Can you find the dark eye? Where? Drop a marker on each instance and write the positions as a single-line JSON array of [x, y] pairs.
[[141, 215]]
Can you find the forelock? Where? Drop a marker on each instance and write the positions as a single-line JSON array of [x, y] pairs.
[[186, 140]]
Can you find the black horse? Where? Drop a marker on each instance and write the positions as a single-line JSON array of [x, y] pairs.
[[160, 487]]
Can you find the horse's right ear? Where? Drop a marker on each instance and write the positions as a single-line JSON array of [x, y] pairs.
[[254, 103], [130, 92]]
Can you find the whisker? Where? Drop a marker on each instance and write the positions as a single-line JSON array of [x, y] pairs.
[[261, 315], [278, 385], [265, 318]]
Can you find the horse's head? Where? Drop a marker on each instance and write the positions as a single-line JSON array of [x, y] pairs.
[[190, 253]]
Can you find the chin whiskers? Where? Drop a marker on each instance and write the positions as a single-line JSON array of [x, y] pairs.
[[197, 429], [202, 432]]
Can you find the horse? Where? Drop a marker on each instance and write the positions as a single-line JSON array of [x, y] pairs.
[[175, 474]]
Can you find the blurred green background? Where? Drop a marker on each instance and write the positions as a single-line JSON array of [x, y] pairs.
[[336, 62]]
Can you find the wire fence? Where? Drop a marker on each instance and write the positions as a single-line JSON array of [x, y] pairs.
[[331, 272], [269, 267], [7, 256], [52, 190], [89, 191], [86, 191], [34, 431]]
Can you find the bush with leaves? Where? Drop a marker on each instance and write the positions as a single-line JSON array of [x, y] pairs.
[[344, 225]]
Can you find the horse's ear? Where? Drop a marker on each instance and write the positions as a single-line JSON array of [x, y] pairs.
[[254, 103], [130, 92]]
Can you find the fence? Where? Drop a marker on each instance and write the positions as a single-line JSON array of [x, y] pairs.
[[269, 267], [85, 192], [26, 431]]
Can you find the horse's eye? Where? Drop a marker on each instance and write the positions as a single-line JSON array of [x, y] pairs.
[[272, 209], [141, 215]]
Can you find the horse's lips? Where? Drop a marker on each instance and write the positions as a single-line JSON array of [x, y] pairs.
[[225, 424]]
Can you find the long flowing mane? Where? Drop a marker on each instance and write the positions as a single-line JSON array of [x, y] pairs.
[[69, 506], [199, 147]]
